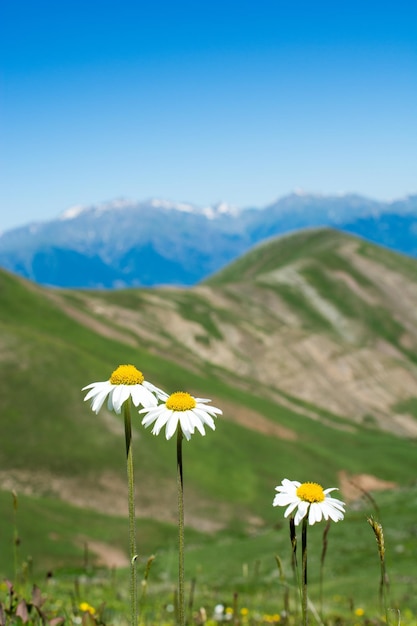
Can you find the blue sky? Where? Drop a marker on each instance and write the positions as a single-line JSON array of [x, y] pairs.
[[203, 101]]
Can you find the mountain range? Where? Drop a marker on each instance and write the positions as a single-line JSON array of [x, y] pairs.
[[127, 243]]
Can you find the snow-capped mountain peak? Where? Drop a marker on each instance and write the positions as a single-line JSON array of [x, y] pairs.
[[210, 212], [221, 208], [72, 212], [185, 207], [78, 209]]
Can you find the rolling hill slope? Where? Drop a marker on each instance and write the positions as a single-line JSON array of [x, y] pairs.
[[308, 345], [318, 317]]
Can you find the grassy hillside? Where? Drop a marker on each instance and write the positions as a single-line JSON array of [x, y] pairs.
[[320, 317], [306, 394]]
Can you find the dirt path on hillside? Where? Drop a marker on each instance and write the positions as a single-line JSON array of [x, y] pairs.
[[90, 322], [248, 418], [355, 486], [106, 555]]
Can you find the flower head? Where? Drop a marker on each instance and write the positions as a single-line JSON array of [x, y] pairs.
[[87, 608], [125, 382], [308, 498], [183, 409]]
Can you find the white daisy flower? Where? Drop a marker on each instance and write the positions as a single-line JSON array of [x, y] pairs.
[[308, 498], [183, 409], [125, 382]]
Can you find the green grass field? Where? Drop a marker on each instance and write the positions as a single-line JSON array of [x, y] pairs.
[[226, 568]]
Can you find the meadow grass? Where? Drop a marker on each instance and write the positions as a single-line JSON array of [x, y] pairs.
[[231, 569]]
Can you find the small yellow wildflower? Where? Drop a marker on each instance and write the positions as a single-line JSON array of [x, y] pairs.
[[271, 619], [244, 611], [359, 612], [87, 608]]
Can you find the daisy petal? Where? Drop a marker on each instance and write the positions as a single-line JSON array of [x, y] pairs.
[[200, 427], [209, 409], [141, 395], [99, 400], [155, 390], [96, 388], [205, 418], [118, 396], [315, 513], [172, 424], [282, 499], [163, 418], [290, 509], [301, 511]]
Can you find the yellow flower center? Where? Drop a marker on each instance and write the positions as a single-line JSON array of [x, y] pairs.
[[126, 375], [310, 492], [180, 401]]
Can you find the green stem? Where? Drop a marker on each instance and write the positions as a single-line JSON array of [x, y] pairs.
[[16, 540], [180, 486], [132, 516], [304, 568], [384, 588], [294, 563], [322, 559]]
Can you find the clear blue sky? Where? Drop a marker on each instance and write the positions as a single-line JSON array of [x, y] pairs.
[[204, 101]]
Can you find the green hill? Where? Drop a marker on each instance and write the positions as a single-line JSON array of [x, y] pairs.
[[308, 345]]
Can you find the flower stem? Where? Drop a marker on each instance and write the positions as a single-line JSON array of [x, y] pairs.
[[180, 486], [132, 516], [304, 570], [294, 563], [16, 540]]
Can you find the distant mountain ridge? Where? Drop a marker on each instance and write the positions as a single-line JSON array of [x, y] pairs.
[[125, 243]]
